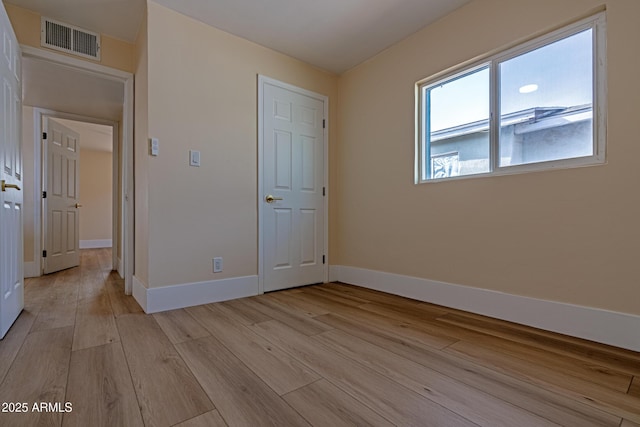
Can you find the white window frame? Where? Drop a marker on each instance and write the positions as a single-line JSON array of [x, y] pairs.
[[597, 23]]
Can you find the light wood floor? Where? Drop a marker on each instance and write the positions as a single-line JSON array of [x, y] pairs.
[[327, 355]]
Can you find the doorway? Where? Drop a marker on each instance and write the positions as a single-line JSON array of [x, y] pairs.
[[73, 89], [292, 186], [79, 182]]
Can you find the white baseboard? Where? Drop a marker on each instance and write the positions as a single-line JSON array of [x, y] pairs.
[[607, 327], [31, 269], [96, 244], [153, 300]]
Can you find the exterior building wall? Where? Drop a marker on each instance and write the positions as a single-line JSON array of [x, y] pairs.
[[518, 145]]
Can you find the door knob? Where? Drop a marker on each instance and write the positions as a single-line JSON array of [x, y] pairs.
[[5, 186], [271, 199], [78, 205]]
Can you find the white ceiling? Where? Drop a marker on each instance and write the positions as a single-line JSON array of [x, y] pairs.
[[334, 35]]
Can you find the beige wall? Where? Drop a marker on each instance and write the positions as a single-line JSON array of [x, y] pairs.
[[114, 53], [567, 235], [96, 182], [202, 95]]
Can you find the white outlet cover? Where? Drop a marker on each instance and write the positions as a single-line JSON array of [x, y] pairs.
[[217, 264]]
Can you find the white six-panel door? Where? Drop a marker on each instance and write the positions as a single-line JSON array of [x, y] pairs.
[[293, 183], [11, 256], [62, 221]]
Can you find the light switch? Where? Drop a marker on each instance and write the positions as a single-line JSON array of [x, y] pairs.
[[154, 146], [194, 158]]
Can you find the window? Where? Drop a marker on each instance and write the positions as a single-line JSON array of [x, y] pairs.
[[539, 105]]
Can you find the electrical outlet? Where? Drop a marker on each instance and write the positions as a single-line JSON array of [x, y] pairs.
[[217, 264]]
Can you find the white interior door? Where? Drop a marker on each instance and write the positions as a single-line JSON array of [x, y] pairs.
[[11, 180], [293, 183], [62, 204]]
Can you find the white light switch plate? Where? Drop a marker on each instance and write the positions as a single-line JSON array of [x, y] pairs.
[[154, 146], [194, 158]]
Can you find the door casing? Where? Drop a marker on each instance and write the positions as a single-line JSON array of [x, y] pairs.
[[262, 80], [41, 116]]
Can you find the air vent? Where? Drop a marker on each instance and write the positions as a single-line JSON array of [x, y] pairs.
[[67, 38]]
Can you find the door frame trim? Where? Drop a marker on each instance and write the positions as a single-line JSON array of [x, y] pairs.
[[40, 156], [262, 80], [126, 215]]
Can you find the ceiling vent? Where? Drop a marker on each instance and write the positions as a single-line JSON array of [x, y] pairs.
[[67, 38]]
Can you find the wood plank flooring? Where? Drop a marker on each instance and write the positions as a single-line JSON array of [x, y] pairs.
[[324, 355]]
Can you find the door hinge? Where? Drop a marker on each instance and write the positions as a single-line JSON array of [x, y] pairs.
[[44, 194], [44, 135], [44, 254], [323, 259], [324, 192], [324, 124]]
